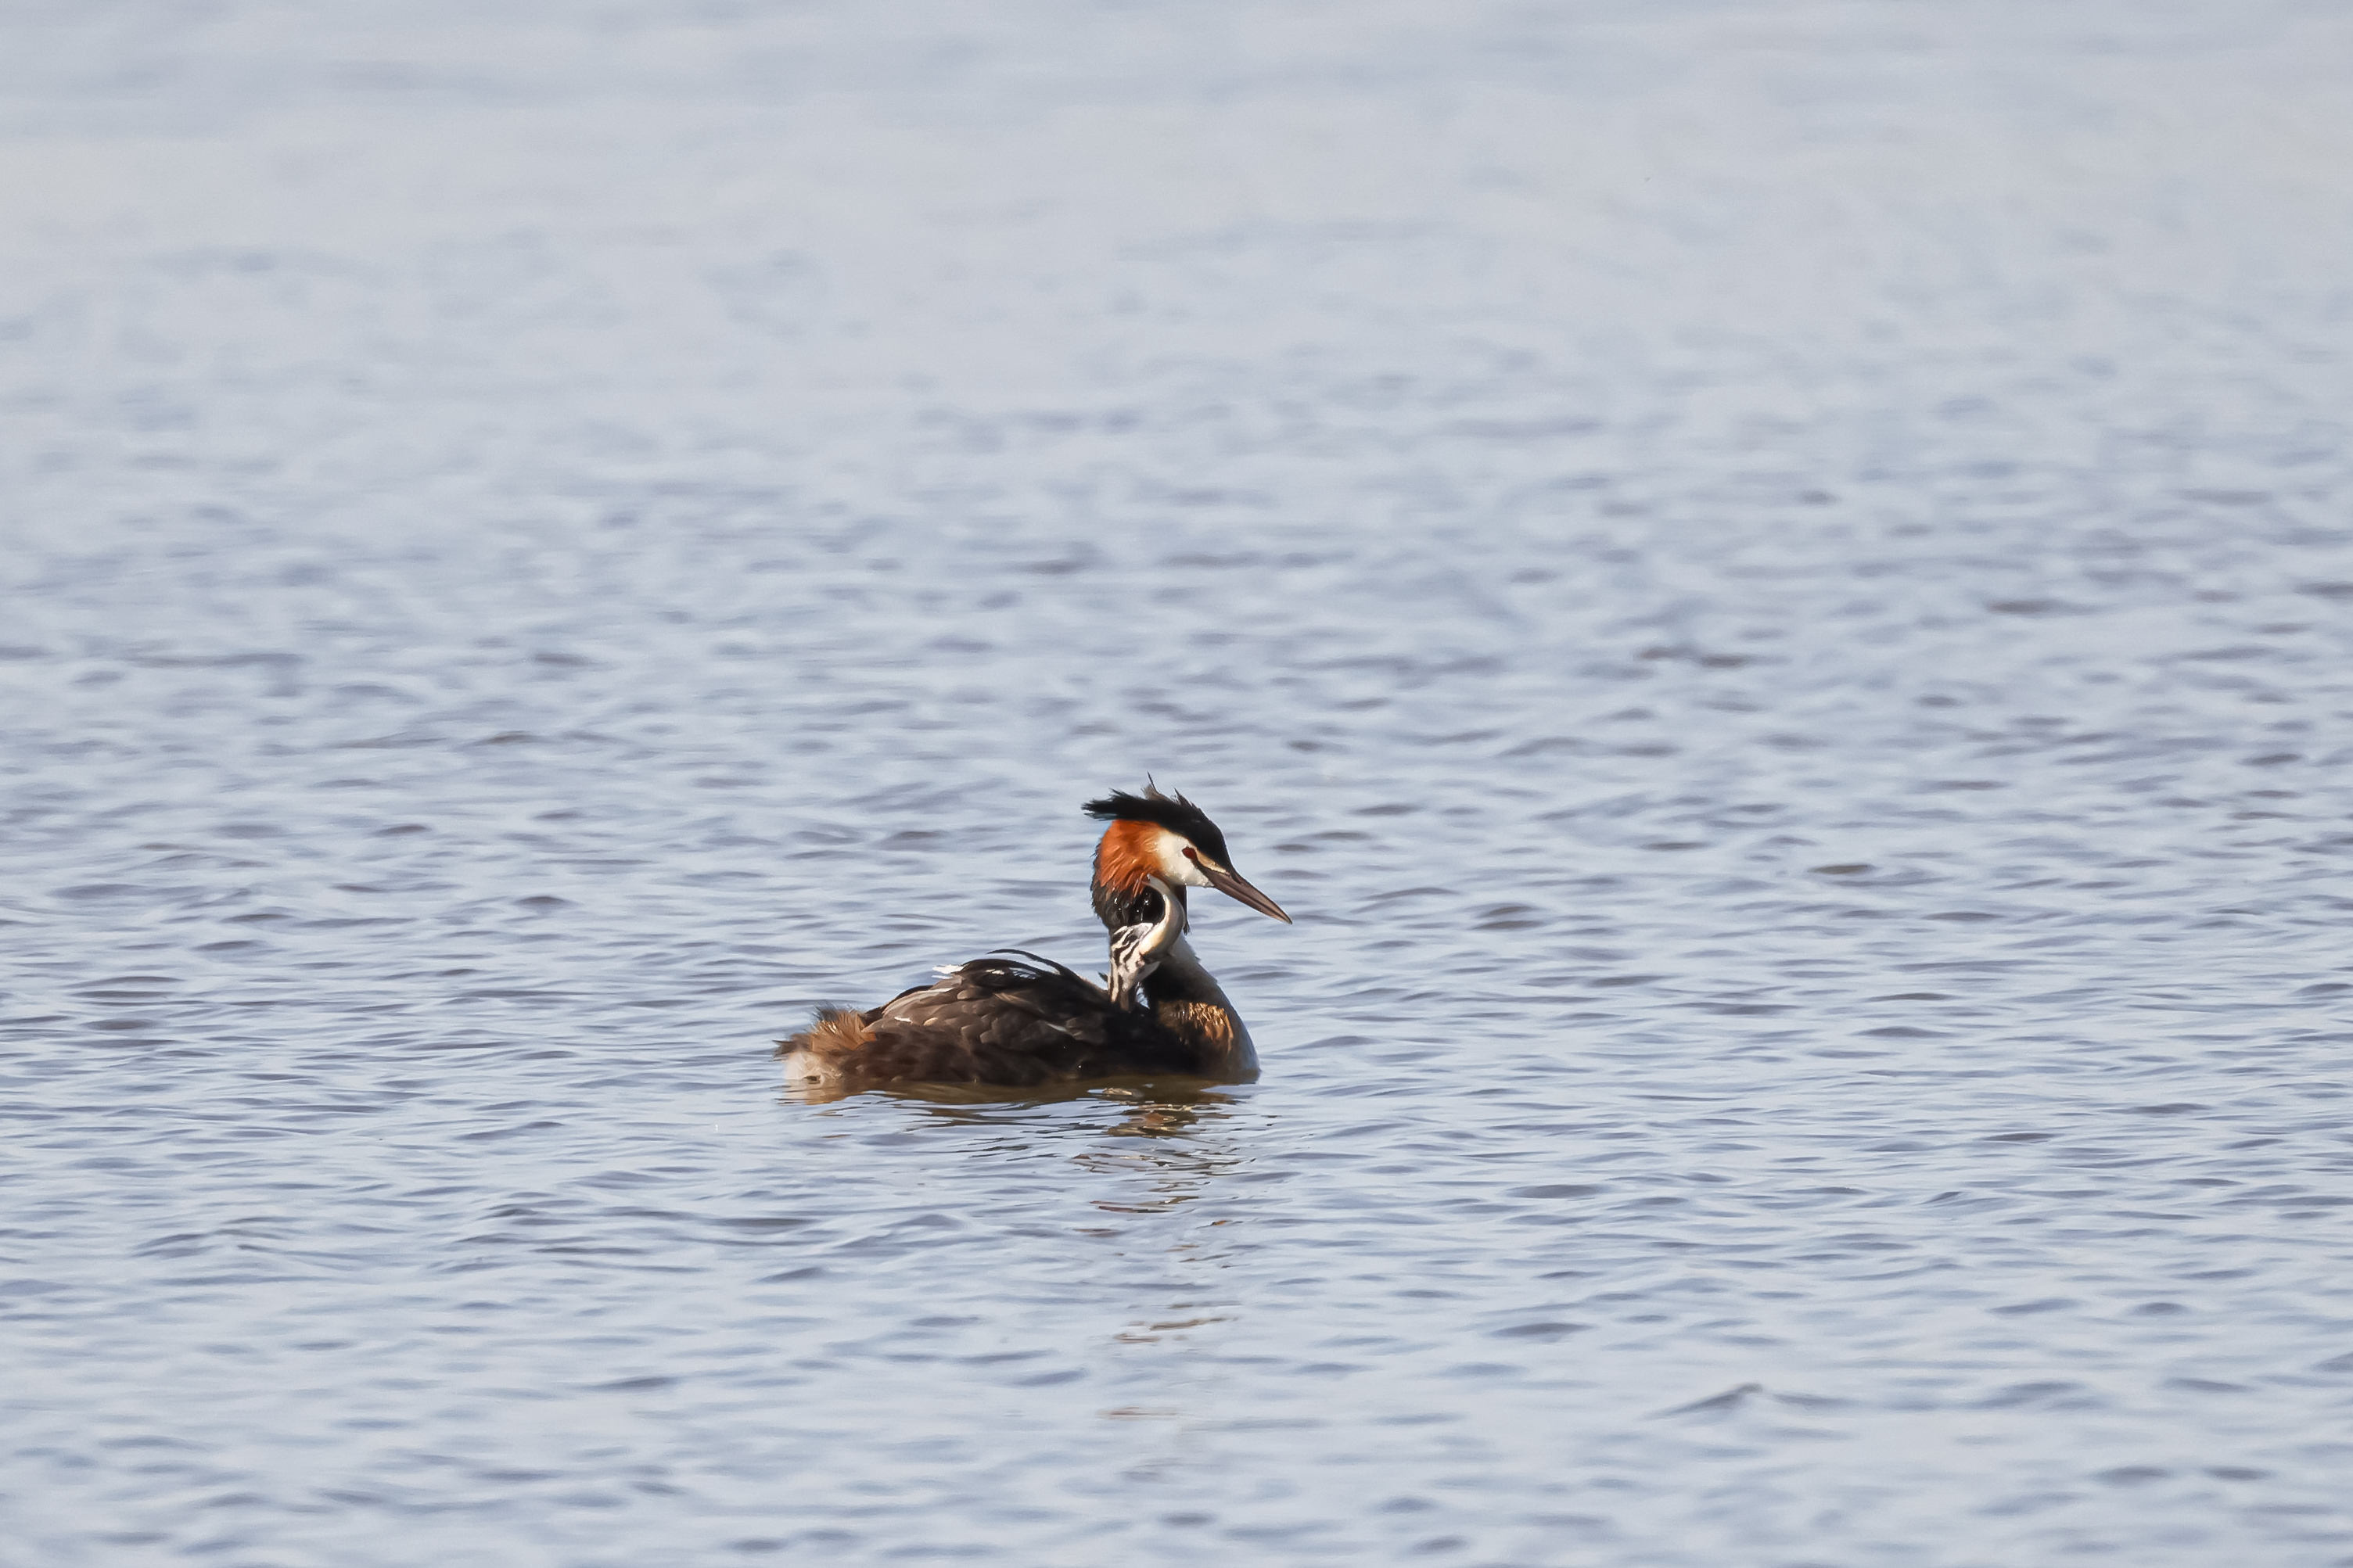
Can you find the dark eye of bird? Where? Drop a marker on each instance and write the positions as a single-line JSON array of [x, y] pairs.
[[1192, 853]]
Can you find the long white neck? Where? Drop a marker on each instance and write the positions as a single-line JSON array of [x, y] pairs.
[[1136, 951]]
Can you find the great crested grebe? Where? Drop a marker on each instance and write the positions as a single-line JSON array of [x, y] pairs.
[[1020, 1021]]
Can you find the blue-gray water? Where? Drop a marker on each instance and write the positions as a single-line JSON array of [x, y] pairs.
[[1772, 585]]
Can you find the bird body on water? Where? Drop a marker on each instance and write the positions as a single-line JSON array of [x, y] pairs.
[[1015, 1020]]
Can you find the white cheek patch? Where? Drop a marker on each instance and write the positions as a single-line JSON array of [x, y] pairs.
[[1169, 849]]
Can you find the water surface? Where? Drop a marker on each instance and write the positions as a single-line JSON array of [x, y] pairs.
[[1769, 583]]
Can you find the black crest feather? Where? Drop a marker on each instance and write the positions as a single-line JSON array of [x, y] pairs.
[[1174, 813]]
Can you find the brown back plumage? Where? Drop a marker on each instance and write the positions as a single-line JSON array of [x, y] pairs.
[[994, 1020]]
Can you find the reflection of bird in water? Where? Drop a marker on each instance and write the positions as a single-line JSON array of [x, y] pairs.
[[1165, 1116], [1021, 1021]]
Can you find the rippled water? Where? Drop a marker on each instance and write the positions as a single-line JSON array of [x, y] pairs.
[[1771, 585]]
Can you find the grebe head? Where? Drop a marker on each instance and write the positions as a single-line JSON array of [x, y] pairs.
[[1153, 836]]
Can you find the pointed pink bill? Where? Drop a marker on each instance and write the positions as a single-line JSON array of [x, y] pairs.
[[1242, 892]]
